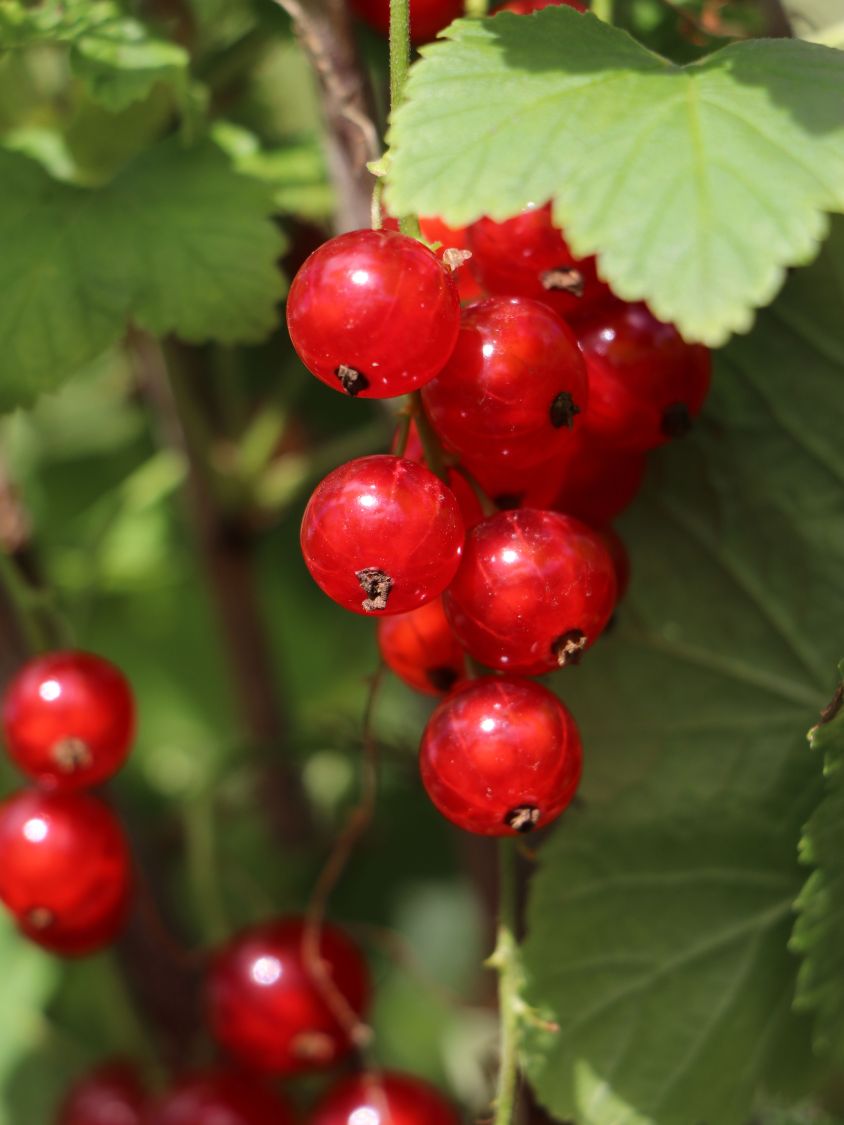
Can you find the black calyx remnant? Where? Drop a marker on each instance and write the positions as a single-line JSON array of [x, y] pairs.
[[523, 818], [442, 678], [376, 585], [563, 411], [569, 647], [563, 279], [506, 501], [351, 380], [676, 420]]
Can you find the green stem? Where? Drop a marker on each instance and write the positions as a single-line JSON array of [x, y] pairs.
[[603, 9], [203, 867], [431, 447], [399, 66], [505, 961]]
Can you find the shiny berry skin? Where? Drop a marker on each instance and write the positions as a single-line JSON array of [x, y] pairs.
[[501, 756], [68, 719], [219, 1097], [427, 17], [533, 591], [527, 256], [373, 313], [266, 1010], [514, 386], [620, 559], [421, 649], [112, 1094], [382, 534], [392, 1099], [464, 494], [517, 486], [597, 482], [65, 870], [434, 230], [646, 384]]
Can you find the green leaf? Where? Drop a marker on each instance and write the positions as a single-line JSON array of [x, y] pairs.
[[696, 186], [58, 20], [819, 21], [660, 916], [120, 61], [819, 930], [179, 242]]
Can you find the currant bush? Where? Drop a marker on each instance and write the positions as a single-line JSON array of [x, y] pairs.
[[68, 719]]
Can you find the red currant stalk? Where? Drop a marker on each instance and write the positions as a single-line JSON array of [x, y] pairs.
[[389, 1098]]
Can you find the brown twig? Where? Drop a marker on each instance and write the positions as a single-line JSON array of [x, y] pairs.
[[225, 547], [324, 28], [357, 823]]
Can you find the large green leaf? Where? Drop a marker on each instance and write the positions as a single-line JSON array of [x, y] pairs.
[[660, 916], [179, 241], [120, 61], [819, 931], [696, 186]]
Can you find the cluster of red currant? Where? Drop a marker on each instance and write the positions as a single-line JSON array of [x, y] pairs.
[[65, 868], [427, 17], [65, 874], [538, 403]]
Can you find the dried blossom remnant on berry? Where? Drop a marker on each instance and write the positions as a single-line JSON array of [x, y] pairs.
[[563, 411], [454, 258], [563, 279], [351, 380], [71, 754], [376, 585], [676, 420], [523, 818], [39, 918], [442, 678], [313, 1046], [569, 647]]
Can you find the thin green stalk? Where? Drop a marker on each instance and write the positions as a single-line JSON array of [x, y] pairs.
[[603, 9], [431, 447], [505, 961], [203, 867], [399, 66], [20, 598]]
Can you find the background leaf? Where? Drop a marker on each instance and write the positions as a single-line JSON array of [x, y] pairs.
[[660, 915], [819, 930], [696, 186], [120, 61]]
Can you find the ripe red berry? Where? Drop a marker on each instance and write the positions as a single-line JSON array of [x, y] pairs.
[[620, 559], [68, 719], [514, 385], [219, 1097], [265, 1007], [597, 482], [501, 755], [533, 591], [427, 17], [526, 7], [382, 534], [64, 869], [517, 486], [389, 1099], [373, 313], [453, 238], [110, 1095], [646, 384], [527, 256], [421, 649]]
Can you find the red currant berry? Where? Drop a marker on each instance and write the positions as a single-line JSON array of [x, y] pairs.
[[421, 649], [219, 1097], [646, 384], [533, 591], [427, 17], [68, 719], [110, 1095], [526, 7], [389, 1099], [598, 482], [501, 755], [64, 869], [464, 494], [620, 559], [373, 313], [517, 486], [266, 1009], [382, 534], [453, 238], [527, 256], [514, 385]]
